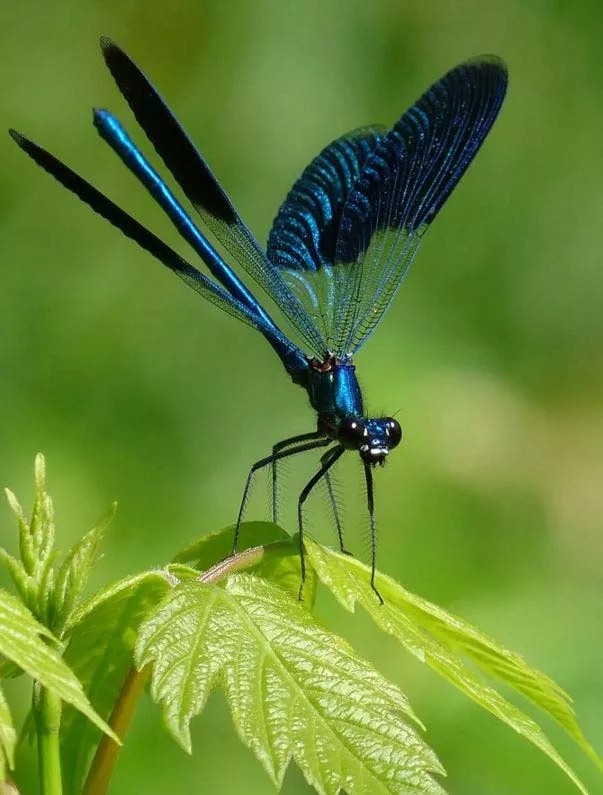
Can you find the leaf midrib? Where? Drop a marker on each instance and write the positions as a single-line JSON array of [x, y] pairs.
[[313, 709]]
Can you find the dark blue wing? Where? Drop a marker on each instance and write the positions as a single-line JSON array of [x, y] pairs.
[[204, 191], [402, 187], [303, 237]]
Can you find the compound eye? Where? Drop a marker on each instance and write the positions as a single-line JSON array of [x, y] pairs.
[[351, 433], [393, 432]]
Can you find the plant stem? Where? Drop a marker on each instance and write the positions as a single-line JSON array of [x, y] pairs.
[[123, 711], [242, 560], [105, 757], [48, 720], [8, 787]]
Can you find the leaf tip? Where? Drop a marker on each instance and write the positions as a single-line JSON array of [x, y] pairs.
[[181, 733], [40, 469], [13, 503]]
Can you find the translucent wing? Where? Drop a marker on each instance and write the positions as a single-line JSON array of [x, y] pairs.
[[204, 191], [147, 240], [403, 185], [303, 237]]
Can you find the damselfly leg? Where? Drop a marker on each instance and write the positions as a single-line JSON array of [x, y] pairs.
[[335, 509], [293, 441], [270, 460], [370, 500], [327, 461]]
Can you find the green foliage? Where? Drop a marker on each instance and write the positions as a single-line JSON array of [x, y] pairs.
[[33, 575], [281, 566], [73, 573], [210, 548], [33, 648], [102, 636], [296, 691], [50, 594], [31, 628], [8, 738], [443, 641]]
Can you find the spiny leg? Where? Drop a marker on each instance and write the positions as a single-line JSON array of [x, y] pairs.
[[370, 499], [333, 502], [262, 463], [327, 461], [294, 440]]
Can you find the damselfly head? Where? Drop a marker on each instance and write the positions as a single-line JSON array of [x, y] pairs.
[[372, 438]]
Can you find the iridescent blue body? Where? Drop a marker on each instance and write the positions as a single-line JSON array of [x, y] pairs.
[[331, 384], [334, 393], [338, 250], [112, 131]]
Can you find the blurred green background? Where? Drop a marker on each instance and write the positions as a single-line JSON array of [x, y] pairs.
[[136, 390]]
